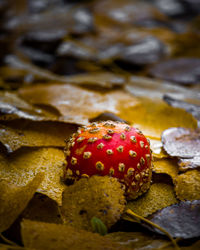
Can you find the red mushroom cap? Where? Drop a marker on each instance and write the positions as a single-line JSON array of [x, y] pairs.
[[111, 148]]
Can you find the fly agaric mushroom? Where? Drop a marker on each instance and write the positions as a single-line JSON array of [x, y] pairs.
[[111, 148]]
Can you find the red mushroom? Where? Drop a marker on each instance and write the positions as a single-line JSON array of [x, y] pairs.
[[111, 148]]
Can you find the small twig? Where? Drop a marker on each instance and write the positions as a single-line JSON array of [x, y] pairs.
[[8, 241], [132, 214]]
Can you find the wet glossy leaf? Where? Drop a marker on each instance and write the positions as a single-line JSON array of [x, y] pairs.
[[14, 199], [76, 104], [14, 135], [105, 196], [157, 149], [42, 235], [182, 71], [160, 195], [21, 167], [180, 220], [181, 142], [188, 185]]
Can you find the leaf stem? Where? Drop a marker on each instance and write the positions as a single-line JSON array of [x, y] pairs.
[[132, 214]]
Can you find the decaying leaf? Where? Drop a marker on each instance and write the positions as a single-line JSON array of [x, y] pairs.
[[13, 107], [166, 166], [42, 208], [21, 167], [104, 196], [139, 241], [188, 185], [180, 220], [14, 199], [154, 116], [41, 235], [76, 104], [187, 164], [160, 195], [14, 135], [181, 142]]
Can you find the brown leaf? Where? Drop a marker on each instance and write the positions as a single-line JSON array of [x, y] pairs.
[[75, 104], [42, 208], [160, 195], [13, 107], [97, 196], [188, 185], [22, 166], [187, 164], [19, 134], [41, 235], [14, 199], [166, 166]]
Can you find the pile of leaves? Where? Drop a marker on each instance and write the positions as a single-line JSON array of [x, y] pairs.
[[69, 63]]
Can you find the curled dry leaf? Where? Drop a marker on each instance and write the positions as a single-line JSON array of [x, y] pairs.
[[77, 105], [188, 185], [42, 208], [179, 220], [14, 135], [41, 235], [154, 116], [13, 107], [22, 166], [166, 166], [14, 199], [181, 142], [160, 195], [104, 196]]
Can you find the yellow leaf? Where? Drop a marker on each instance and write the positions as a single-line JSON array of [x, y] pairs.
[[22, 166]]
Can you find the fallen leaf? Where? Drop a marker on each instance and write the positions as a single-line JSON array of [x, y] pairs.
[[17, 134], [179, 220], [21, 167], [188, 185], [14, 199], [154, 116], [160, 195], [166, 166], [104, 196], [187, 164], [42, 208], [139, 241], [181, 142], [182, 70], [101, 79], [76, 104], [41, 235], [13, 107], [157, 149]]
